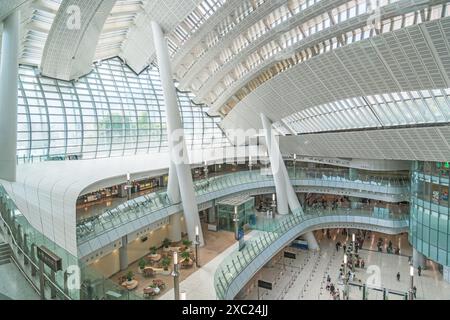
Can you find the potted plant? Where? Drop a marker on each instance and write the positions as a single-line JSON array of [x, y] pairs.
[[187, 245], [142, 265], [186, 257], [153, 251], [166, 244], [130, 276], [165, 263]]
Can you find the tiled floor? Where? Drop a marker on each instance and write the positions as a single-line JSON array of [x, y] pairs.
[[200, 284], [305, 277], [216, 243]]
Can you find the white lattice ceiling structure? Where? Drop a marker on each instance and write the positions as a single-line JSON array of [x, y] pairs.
[[312, 66]]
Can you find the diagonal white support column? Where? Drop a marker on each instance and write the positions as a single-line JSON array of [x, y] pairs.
[[280, 185], [175, 135], [173, 192], [276, 157], [9, 73]]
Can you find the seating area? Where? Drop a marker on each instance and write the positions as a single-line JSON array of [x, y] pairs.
[[154, 289], [153, 271]]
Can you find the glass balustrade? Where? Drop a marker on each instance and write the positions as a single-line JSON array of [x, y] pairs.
[[273, 229], [24, 240], [155, 203]]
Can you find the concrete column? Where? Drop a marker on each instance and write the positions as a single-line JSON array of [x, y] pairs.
[[161, 181], [283, 177], [175, 227], [354, 202], [123, 254], [312, 242], [302, 197], [352, 173], [9, 73], [173, 188], [280, 185], [446, 273], [418, 259], [175, 134], [212, 213]]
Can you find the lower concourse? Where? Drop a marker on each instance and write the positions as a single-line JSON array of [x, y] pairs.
[[224, 150]]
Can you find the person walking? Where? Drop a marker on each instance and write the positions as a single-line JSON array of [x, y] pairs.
[[419, 271], [414, 292], [398, 276]]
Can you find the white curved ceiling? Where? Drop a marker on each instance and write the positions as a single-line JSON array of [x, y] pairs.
[[408, 59], [242, 57], [70, 49]]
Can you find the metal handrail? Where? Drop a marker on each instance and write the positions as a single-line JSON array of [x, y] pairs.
[[31, 261], [277, 230]]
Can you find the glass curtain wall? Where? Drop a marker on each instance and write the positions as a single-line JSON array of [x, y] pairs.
[[430, 210], [110, 112]]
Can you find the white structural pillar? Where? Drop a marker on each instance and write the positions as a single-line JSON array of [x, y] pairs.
[[123, 254], [173, 188], [280, 185], [175, 135], [9, 73], [281, 171], [446, 273], [175, 227], [173, 192], [418, 259]]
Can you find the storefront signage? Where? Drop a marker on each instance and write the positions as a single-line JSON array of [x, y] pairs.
[[49, 258]]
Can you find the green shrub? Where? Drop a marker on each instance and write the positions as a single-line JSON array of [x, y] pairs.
[[165, 262], [185, 255], [166, 242], [142, 264], [130, 275], [187, 243], [153, 250]]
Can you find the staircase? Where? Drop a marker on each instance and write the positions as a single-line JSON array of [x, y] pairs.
[[5, 253]]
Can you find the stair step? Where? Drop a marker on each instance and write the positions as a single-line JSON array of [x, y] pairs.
[[5, 261]]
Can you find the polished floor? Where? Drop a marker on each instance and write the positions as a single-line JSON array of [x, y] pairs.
[[216, 244], [305, 277], [200, 284]]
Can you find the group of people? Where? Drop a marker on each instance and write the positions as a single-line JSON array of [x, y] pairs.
[[390, 248], [325, 202], [334, 292]]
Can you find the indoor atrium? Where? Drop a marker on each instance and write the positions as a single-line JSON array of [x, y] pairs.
[[224, 150]]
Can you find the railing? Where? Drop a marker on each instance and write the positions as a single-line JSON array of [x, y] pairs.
[[158, 203], [257, 248], [24, 239], [41, 158]]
